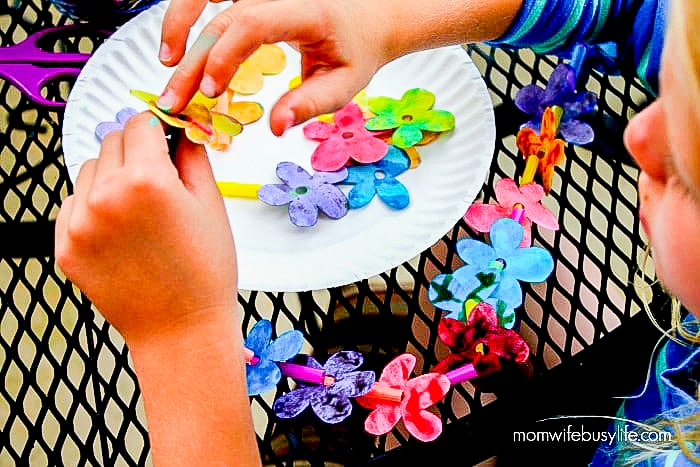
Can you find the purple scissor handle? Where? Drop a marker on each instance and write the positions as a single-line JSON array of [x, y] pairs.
[[30, 66]]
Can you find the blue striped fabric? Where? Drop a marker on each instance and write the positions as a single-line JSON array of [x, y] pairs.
[[635, 27]]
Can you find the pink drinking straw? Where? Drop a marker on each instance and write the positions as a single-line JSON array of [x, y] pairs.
[[518, 212], [249, 356], [305, 373], [461, 374]]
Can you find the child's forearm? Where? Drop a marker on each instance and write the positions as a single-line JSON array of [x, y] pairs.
[[194, 390], [420, 24]]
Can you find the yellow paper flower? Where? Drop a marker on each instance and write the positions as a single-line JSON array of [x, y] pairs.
[[268, 59]]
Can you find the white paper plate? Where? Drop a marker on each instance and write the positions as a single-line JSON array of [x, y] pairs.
[[273, 254]]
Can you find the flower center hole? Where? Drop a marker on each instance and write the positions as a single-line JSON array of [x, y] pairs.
[[407, 118], [347, 135], [379, 174], [300, 190]]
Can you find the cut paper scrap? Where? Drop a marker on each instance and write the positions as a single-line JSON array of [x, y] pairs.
[[379, 178], [306, 194], [268, 59], [263, 374], [560, 92], [408, 117], [239, 190], [330, 403], [522, 204], [492, 273], [105, 128], [545, 150], [414, 396], [201, 124], [481, 340], [344, 140]]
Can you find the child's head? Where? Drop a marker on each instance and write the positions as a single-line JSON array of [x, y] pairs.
[[665, 141]]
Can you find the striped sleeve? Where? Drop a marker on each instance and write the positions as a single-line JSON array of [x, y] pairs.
[[636, 27]]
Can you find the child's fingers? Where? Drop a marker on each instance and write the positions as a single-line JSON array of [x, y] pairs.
[[319, 94], [179, 17], [145, 147], [111, 155], [195, 170]]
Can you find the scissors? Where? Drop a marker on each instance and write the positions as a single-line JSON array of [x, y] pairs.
[[31, 64]]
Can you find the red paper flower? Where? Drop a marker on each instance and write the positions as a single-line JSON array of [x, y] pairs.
[[548, 148], [419, 393], [480, 341], [480, 216], [345, 139]]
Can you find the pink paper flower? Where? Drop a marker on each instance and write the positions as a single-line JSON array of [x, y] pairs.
[[480, 216], [419, 393], [345, 139]]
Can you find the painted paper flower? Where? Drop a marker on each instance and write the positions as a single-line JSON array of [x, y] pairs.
[[548, 149], [268, 59], [409, 117], [491, 273], [306, 194], [379, 178], [419, 393], [344, 140], [105, 128], [202, 125], [330, 403], [264, 374], [480, 341], [480, 216], [560, 91]]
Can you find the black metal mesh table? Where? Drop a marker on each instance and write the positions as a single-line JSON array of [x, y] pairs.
[[68, 395]]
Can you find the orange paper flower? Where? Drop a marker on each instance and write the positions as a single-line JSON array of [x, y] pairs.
[[548, 149], [268, 59]]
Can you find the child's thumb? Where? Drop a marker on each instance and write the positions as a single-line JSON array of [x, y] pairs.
[[194, 168]]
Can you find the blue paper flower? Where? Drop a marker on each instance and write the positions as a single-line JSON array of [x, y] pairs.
[[306, 194], [263, 375], [330, 403], [560, 91], [492, 273], [379, 178]]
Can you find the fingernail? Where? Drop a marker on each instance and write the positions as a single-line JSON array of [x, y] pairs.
[[166, 100], [208, 86], [164, 54]]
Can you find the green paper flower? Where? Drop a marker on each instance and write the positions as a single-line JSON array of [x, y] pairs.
[[408, 117]]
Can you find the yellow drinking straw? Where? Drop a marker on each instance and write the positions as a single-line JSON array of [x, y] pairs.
[[239, 190]]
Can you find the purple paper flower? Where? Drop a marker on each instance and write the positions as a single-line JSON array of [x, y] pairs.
[[264, 374], [306, 194], [105, 128], [330, 403], [560, 91]]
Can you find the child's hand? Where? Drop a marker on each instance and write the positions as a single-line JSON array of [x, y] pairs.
[[148, 241], [342, 44]]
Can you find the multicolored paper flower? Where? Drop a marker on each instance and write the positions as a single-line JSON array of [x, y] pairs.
[[491, 273], [546, 147], [419, 393], [344, 140], [105, 128], [306, 194], [202, 125], [330, 403], [409, 117], [480, 341], [560, 91], [268, 59], [264, 374], [379, 178], [510, 197]]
